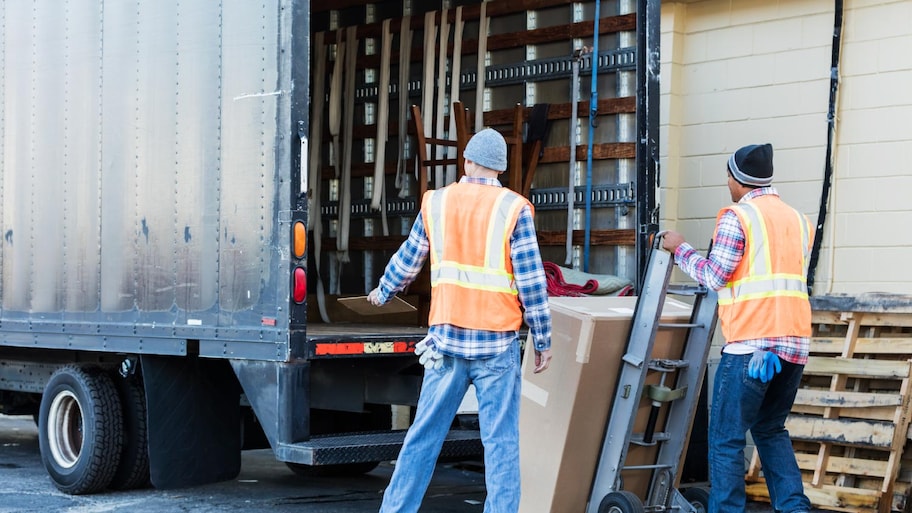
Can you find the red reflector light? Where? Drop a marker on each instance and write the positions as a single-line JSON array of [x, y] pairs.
[[299, 291]]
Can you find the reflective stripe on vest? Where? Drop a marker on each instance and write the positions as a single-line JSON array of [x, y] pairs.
[[760, 281], [492, 276]]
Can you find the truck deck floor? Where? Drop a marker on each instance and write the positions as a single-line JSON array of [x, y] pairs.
[[321, 331]]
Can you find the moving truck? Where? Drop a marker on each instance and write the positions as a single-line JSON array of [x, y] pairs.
[[156, 264], [154, 257]]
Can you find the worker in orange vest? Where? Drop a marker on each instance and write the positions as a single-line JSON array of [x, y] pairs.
[[758, 264], [486, 277]]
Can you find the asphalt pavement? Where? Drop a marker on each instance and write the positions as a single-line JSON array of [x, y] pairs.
[[264, 485]]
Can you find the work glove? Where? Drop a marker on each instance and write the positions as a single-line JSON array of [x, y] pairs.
[[764, 365], [428, 355]]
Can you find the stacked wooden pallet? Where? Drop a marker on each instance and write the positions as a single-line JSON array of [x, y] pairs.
[[850, 422]]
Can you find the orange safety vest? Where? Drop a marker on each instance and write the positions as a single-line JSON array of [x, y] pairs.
[[767, 293], [469, 227]]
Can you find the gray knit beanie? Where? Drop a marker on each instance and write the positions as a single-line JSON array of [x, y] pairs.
[[487, 149], [752, 165]]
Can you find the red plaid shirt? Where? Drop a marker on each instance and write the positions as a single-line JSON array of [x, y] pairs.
[[714, 272]]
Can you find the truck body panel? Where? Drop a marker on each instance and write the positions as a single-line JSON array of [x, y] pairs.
[[146, 177]]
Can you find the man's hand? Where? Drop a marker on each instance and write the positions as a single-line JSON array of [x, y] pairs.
[[542, 360], [764, 365], [671, 240], [374, 297]]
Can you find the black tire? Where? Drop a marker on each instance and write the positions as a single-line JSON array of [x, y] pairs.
[[621, 502], [133, 469], [80, 431], [698, 497], [338, 470]]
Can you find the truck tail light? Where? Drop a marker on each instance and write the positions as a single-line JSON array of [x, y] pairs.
[[299, 291], [299, 239]]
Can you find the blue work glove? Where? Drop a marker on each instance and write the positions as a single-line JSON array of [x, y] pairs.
[[764, 365], [430, 357]]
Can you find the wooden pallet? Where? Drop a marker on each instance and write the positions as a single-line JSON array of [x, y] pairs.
[[851, 418]]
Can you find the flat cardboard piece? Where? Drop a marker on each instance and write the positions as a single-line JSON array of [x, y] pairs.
[[360, 305]]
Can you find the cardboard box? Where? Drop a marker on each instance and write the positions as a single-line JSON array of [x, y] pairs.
[[564, 410]]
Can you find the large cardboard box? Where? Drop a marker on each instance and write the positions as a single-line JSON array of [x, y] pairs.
[[564, 410]]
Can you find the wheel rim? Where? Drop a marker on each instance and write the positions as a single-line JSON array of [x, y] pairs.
[[64, 429]]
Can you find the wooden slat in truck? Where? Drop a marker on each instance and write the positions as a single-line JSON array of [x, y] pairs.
[[154, 261]]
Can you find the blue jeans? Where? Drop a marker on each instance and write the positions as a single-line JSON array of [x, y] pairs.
[[741, 403], [497, 385]]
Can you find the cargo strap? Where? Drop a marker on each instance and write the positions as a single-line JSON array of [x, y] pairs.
[[455, 73], [405, 53], [351, 61], [573, 173], [483, 22], [314, 217], [593, 115], [335, 99], [427, 84], [335, 123], [378, 194], [316, 131], [440, 90]]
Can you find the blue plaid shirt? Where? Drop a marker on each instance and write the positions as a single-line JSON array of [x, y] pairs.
[[715, 272], [528, 275]]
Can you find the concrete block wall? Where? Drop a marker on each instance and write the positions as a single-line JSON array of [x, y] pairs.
[[736, 72]]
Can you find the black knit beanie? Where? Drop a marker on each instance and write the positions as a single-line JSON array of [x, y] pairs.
[[752, 165]]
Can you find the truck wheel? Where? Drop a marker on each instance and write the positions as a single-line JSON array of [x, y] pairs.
[[133, 469], [621, 502], [80, 429]]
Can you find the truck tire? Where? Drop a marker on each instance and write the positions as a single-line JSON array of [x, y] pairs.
[[80, 429], [133, 469]]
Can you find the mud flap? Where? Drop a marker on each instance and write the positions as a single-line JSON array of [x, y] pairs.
[[194, 414]]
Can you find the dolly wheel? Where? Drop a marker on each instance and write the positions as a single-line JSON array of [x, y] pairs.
[[698, 497], [621, 502]]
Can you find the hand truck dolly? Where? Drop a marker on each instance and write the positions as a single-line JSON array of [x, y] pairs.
[[607, 494]]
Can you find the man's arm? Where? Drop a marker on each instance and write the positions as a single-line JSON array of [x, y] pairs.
[[529, 275], [404, 266], [716, 270]]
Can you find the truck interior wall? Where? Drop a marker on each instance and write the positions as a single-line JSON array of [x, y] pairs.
[[518, 34]]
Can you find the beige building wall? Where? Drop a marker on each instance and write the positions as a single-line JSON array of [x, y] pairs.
[[737, 72]]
